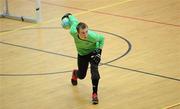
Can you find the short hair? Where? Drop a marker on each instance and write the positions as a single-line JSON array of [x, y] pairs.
[[81, 25]]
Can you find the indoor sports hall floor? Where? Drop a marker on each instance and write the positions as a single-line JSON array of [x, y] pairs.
[[140, 66]]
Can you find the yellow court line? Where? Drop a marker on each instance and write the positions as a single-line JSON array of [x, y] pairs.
[[54, 19], [174, 105], [103, 7]]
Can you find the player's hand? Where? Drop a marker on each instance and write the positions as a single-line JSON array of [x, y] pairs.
[[66, 15], [96, 56]]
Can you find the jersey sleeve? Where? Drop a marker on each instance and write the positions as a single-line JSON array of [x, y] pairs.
[[100, 41], [74, 22], [97, 38]]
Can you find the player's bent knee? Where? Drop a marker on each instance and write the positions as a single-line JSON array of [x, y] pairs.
[[81, 77]]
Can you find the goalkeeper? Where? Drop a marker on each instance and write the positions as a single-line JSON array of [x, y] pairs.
[[89, 46]]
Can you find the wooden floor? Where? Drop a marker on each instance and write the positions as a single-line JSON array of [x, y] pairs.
[[140, 62]]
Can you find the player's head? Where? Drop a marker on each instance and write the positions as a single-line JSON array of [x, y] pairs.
[[82, 30]]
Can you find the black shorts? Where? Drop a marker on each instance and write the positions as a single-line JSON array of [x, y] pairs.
[[83, 63]]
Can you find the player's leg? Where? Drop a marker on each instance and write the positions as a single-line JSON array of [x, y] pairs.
[[80, 73], [95, 76]]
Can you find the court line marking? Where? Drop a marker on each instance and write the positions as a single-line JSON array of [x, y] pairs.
[[143, 72], [54, 19], [64, 55], [174, 105], [116, 15], [106, 63]]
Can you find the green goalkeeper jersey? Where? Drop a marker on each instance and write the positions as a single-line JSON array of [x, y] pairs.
[[92, 42]]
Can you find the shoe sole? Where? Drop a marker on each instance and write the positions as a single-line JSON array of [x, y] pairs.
[[74, 83], [94, 102]]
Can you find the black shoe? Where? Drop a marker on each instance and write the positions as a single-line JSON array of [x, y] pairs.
[[95, 98]]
